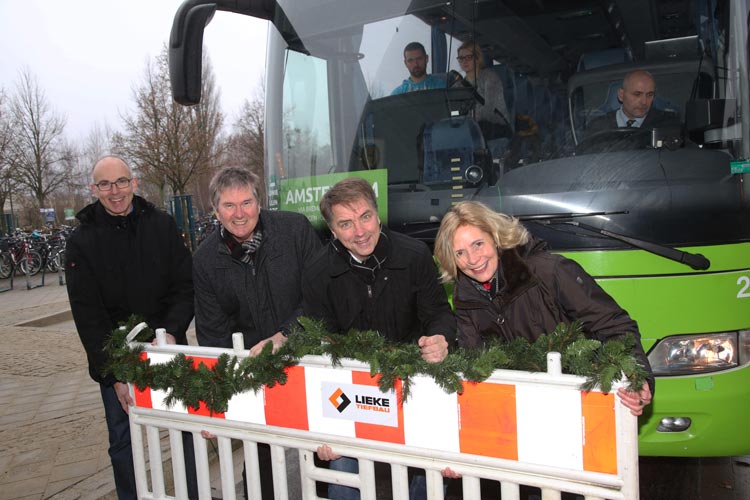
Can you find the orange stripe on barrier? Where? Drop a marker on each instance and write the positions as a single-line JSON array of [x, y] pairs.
[[374, 431], [599, 438], [488, 423], [143, 397], [202, 408], [286, 405]]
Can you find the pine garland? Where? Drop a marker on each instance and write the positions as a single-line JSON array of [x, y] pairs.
[[601, 363]]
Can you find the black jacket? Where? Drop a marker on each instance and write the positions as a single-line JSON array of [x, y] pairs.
[[230, 297], [406, 300], [539, 290], [118, 266]]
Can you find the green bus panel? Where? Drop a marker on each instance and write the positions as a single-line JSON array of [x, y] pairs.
[[667, 298]]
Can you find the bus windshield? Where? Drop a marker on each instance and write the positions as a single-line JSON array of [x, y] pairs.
[[349, 103]]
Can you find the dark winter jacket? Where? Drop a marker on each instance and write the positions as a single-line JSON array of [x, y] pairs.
[[406, 300], [537, 290], [257, 300], [118, 266]]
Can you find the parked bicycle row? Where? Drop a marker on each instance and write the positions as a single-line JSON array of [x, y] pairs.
[[30, 253]]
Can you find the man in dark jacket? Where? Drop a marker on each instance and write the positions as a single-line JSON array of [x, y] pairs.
[[637, 97], [126, 257], [248, 275], [369, 278]]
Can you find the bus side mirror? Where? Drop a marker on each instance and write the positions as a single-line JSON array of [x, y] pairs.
[[186, 50], [713, 119]]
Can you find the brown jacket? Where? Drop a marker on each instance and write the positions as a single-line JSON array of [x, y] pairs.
[[537, 291]]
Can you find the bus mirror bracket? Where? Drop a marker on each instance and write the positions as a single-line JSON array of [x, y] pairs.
[[186, 50]]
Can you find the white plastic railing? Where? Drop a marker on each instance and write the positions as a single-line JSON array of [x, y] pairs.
[[517, 428]]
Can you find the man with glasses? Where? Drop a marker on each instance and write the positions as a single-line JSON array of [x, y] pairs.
[[415, 60], [126, 257]]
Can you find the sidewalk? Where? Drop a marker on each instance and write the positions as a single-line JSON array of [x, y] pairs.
[[53, 438]]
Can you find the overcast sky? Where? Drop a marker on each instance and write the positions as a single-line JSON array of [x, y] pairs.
[[87, 55]]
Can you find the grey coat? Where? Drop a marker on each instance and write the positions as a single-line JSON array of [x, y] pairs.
[[231, 296]]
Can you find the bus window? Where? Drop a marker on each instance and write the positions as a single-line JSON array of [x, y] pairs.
[[306, 139]]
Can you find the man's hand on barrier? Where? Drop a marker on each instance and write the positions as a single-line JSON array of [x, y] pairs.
[[447, 472], [278, 340], [170, 339], [207, 435], [635, 401], [326, 453], [434, 348], [123, 395]]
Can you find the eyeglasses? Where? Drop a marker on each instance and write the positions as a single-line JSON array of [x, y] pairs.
[[467, 57], [121, 183]]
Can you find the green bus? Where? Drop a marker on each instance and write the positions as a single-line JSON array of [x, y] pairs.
[[660, 216]]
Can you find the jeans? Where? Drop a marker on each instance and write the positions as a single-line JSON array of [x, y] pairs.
[[417, 485], [121, 451]]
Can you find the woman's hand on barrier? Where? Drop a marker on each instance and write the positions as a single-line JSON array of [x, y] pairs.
[[434, 348], [278, 339], [326, 453], [207, 435], [636, 401]]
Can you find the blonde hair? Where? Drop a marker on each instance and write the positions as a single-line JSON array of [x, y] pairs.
[[506, 231], [476, 52]]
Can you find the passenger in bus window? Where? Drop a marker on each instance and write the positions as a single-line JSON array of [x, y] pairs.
[[636, 96], [370, 278], [508, 285], [247, 276], [492, 116], [415, 60]]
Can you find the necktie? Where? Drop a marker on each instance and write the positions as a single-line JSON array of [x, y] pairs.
[[629, 123]]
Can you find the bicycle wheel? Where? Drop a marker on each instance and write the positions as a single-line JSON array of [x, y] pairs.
[[5, 266], [56, 261], [32, 262]]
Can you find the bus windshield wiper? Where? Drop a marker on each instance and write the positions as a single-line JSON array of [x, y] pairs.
[[694, 260]]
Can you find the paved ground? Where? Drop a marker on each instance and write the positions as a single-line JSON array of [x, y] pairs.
[[53, 439]]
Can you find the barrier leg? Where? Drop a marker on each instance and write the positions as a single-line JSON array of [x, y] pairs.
[[201, 468], [400, 481], [278, 459], [228, 482], [155, 461], [139, 458], [178, 463]]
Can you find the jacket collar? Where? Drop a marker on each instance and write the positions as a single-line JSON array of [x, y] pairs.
[[268, 246], [516, 278], [395, 260], [88, 214]]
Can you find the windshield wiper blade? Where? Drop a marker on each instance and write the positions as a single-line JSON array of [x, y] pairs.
[[565, 215], [694, 260]]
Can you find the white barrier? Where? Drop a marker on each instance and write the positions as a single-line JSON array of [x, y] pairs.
[[517, 428]]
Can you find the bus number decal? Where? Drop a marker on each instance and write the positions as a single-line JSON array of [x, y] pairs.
[[744, 282]]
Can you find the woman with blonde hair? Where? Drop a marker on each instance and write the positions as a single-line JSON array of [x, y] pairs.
[[508, 285], [492, 116]]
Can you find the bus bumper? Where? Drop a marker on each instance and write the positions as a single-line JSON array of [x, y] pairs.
[[718, 406]]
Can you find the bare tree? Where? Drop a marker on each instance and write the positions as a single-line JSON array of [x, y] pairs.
[[245, 144], [36, 148], [170, 144], [7, 182]]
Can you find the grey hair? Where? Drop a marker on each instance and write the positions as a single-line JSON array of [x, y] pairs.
[[232, 177]]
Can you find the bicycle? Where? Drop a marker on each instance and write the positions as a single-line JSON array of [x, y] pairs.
[[18, 256]]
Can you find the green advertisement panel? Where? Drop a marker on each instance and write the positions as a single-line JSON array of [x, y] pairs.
[[303, 194]]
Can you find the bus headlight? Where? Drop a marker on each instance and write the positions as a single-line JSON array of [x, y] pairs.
[[693, 354]]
